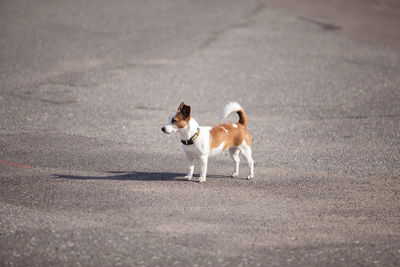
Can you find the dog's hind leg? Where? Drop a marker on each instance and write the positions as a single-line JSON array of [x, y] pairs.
[[234, 152], [246, 151]]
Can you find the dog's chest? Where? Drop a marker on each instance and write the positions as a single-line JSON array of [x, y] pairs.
[[192, 151], [201, 144]]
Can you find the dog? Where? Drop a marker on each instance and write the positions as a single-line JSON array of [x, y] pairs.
[[200, 142]]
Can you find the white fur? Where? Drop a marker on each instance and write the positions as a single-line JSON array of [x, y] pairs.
[[217, 150], [224, 129], [200, 149], [169, 127], [229, 108]]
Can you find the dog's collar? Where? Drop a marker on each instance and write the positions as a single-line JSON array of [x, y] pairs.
[[191, 140]]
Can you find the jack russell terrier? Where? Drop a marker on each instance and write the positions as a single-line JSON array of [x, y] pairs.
[[200, 142]]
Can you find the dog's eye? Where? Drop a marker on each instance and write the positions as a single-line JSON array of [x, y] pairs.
[[173, 121]]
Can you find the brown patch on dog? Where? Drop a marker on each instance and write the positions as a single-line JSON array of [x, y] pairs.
[[242, 117], [179, 121], [180, 106], [234, 136], [182, 117]]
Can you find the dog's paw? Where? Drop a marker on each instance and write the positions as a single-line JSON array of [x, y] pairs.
[[250, 177], [187, 177], [235, 175], [202, 179]]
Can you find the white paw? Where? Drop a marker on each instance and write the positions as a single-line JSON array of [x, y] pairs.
[[187, 177], [250, 177], [202, 179], [235, 175]]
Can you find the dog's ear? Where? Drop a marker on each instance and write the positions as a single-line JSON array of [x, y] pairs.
[[185, 111], [180, 106]]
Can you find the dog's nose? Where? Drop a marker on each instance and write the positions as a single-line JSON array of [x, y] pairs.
[[163, 129]]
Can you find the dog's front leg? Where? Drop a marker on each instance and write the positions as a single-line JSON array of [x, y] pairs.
[[203, 171], [190, 162]]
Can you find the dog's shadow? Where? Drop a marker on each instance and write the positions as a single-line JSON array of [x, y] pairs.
[[128, 176], [134, 176]]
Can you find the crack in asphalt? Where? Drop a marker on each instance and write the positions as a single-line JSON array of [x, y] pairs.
[[64, 98], [323, 25], [215, 35]]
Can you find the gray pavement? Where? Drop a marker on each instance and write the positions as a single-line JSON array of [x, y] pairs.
[[88, 178]]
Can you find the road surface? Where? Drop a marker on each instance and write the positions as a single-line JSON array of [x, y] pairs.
[[88, 178]]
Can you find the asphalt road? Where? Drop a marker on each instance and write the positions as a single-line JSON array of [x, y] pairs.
[[88, 178]]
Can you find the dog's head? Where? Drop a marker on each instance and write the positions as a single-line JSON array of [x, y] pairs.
[[177, 120]]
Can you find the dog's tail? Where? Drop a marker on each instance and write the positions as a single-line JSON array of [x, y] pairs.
[[234, 107]]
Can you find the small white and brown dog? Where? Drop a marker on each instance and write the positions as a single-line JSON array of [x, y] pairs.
[[200, 142]]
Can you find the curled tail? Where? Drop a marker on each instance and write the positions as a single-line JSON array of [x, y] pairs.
[[234, 107]]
